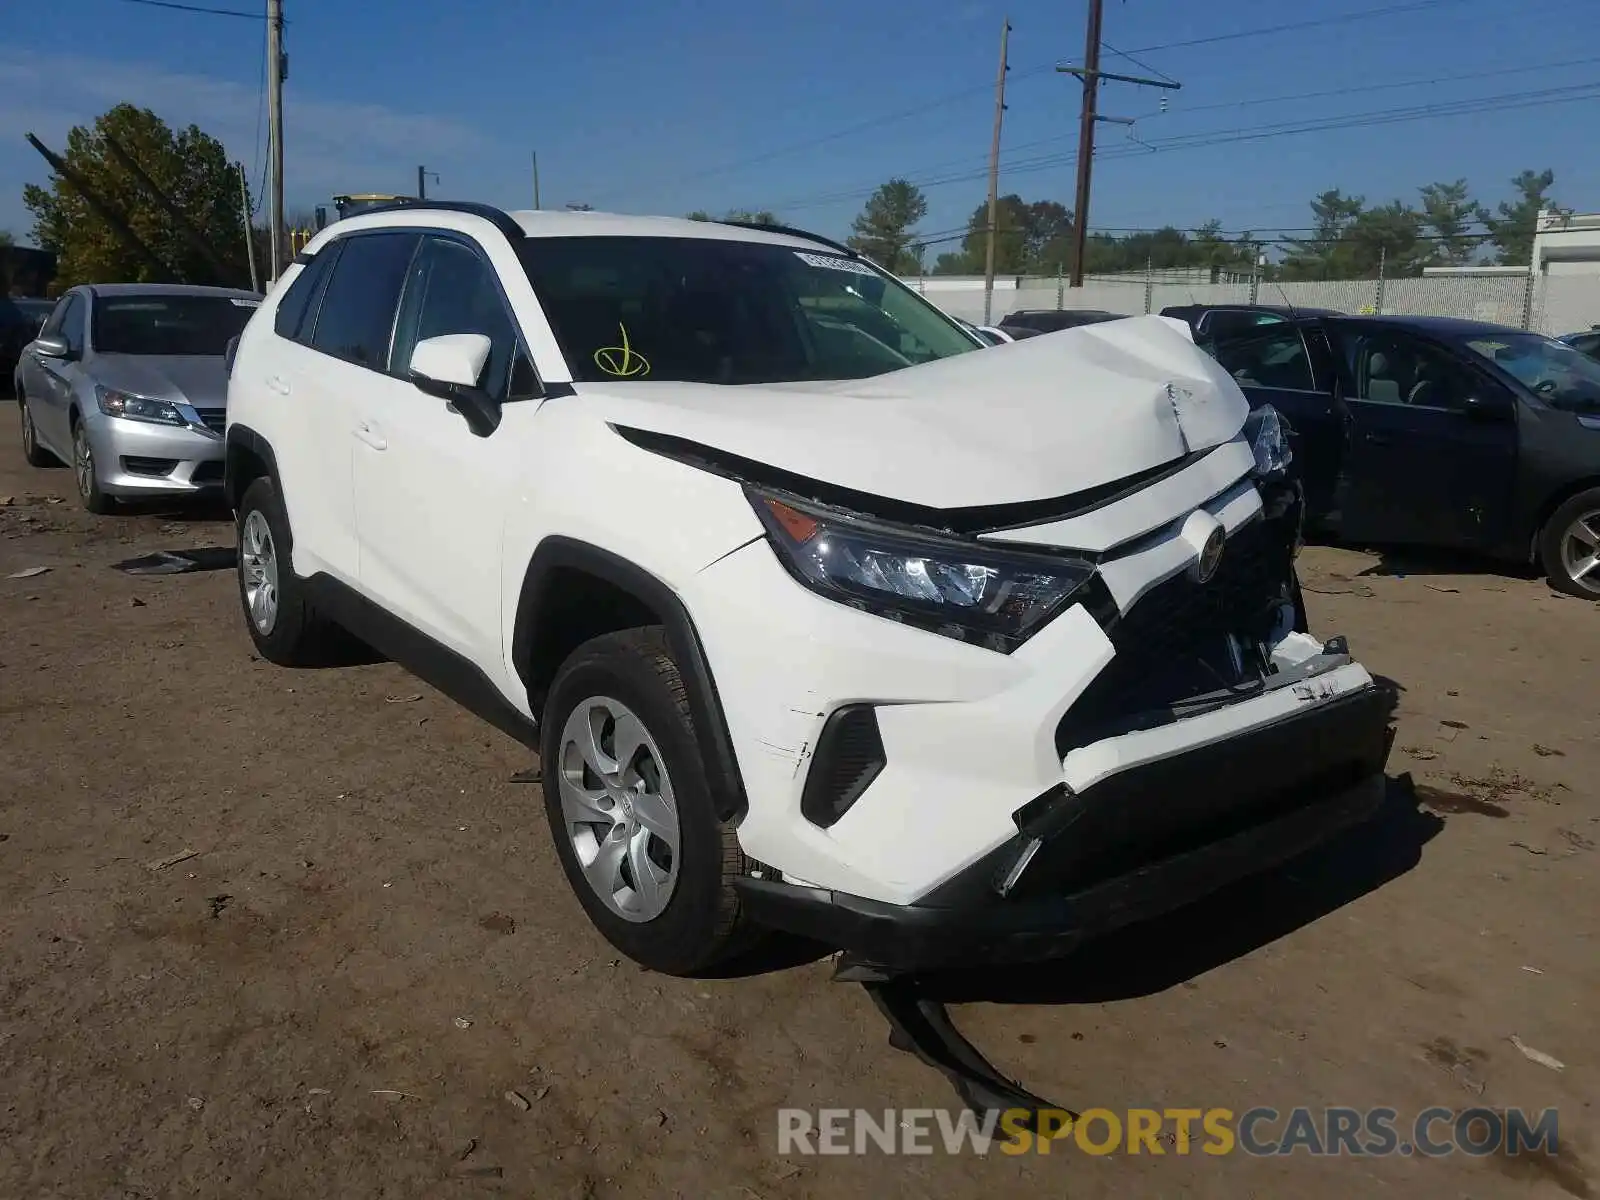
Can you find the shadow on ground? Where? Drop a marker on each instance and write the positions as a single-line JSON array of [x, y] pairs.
[[1397, 562]]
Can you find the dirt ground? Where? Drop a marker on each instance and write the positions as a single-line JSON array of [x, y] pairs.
[[372, 943]]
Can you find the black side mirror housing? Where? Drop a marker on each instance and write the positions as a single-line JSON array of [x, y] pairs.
[[1487, 408], [475, 406]]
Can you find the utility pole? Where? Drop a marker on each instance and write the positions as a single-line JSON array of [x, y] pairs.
[[1091, 74], [249, 233], [277, 72], [536, 181], [994, 170], [422, 181]]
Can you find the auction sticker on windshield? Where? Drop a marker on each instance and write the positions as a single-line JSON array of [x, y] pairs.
[[834, 262]]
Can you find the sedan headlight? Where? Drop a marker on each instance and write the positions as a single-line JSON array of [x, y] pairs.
[[137, 408], [961, 590], [1268, 435]]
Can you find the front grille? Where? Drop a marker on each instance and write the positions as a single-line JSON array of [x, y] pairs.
[[214, 419], [1173, 643]]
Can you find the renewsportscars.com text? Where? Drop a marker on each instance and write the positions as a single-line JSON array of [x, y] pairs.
[[1259, 1132]]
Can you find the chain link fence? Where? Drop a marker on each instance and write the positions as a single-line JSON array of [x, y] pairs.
[[1550, 303]]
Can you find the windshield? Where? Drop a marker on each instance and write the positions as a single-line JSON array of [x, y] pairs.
[[702, 310], [176, 324], [1558, 374]]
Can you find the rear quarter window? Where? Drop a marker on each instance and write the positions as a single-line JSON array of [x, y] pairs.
[[296, 312]]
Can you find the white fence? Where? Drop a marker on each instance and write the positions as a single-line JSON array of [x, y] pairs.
[[1553, 304]]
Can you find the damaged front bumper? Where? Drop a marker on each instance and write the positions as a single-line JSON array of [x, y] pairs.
[[1133, 844]]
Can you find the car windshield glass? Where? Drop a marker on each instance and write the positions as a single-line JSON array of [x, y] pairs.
[[706, 310], [168, 324], [1557, 373]]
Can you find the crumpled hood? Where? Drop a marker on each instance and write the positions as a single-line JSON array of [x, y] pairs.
[[1030, 420], [199, 380]]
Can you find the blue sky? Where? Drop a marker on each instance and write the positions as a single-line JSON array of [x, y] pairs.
[[711, 104]]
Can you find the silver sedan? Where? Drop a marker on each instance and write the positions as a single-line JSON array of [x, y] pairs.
[[127, 383]]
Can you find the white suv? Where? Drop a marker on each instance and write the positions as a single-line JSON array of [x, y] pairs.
[[818, 619]]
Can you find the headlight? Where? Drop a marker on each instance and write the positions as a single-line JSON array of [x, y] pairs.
[[1268, 433], [957, 589], [136, 408]]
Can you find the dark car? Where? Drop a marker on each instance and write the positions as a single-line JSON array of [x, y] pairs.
[[1440, 432], [1210, 321], [20, 319], [1031, 321], [1587, 342]]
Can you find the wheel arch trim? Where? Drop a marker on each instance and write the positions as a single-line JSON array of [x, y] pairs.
[[557, 553]]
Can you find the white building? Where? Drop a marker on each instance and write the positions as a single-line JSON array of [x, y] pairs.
[[1566, 265]]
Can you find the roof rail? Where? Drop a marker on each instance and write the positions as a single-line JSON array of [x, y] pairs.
[[497, 217], [791, 231]]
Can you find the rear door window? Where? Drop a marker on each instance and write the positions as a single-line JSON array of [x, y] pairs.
[[296, 312], [1274, 357], [357, 314]]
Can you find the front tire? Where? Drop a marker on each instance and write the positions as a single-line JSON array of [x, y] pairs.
[[87, 473], [1569, 546], [277, 611], [35, 454], [630, 808]]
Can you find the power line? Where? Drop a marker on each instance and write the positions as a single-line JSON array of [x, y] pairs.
[[950, 164], [1027, 73], [1465, 107], [198, 8], [1138, 62], [1387, 10]]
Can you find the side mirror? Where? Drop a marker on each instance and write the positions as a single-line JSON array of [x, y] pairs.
[[1487, 408], [54, 346], [449, 367]]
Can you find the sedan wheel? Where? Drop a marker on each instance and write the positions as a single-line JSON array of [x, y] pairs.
[[87, 474], [620, 813], [1580, 551]]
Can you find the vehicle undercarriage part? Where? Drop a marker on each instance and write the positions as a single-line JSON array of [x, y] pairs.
[[180, 562], [920, 1025]]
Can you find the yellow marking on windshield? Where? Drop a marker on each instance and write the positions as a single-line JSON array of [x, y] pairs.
[[622, 361]]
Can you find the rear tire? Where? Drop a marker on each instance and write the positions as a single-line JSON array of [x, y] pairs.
[[667, 902], [35, 454], [277, 610], [1569, 546]]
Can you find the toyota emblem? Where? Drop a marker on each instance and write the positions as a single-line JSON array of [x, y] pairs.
[[1210, 556]]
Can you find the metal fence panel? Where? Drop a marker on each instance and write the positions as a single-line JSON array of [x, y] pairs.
[[1554, 303]]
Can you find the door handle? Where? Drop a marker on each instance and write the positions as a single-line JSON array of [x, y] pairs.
[[369, 433], [278, 384]]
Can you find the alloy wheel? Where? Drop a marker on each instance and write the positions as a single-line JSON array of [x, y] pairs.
[[28, 434], [618, 808], [1580, 551], [258, 571], [83, 462]]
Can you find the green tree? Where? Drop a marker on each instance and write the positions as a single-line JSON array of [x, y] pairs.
[[1449, 212], [1387, 238], [1030, 239], [748, 216], [884, 231], [1513, 230], [1321, 256], [189, 166]]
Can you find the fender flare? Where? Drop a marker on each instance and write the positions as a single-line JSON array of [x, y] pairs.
[[243, 438], [557, 553]]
